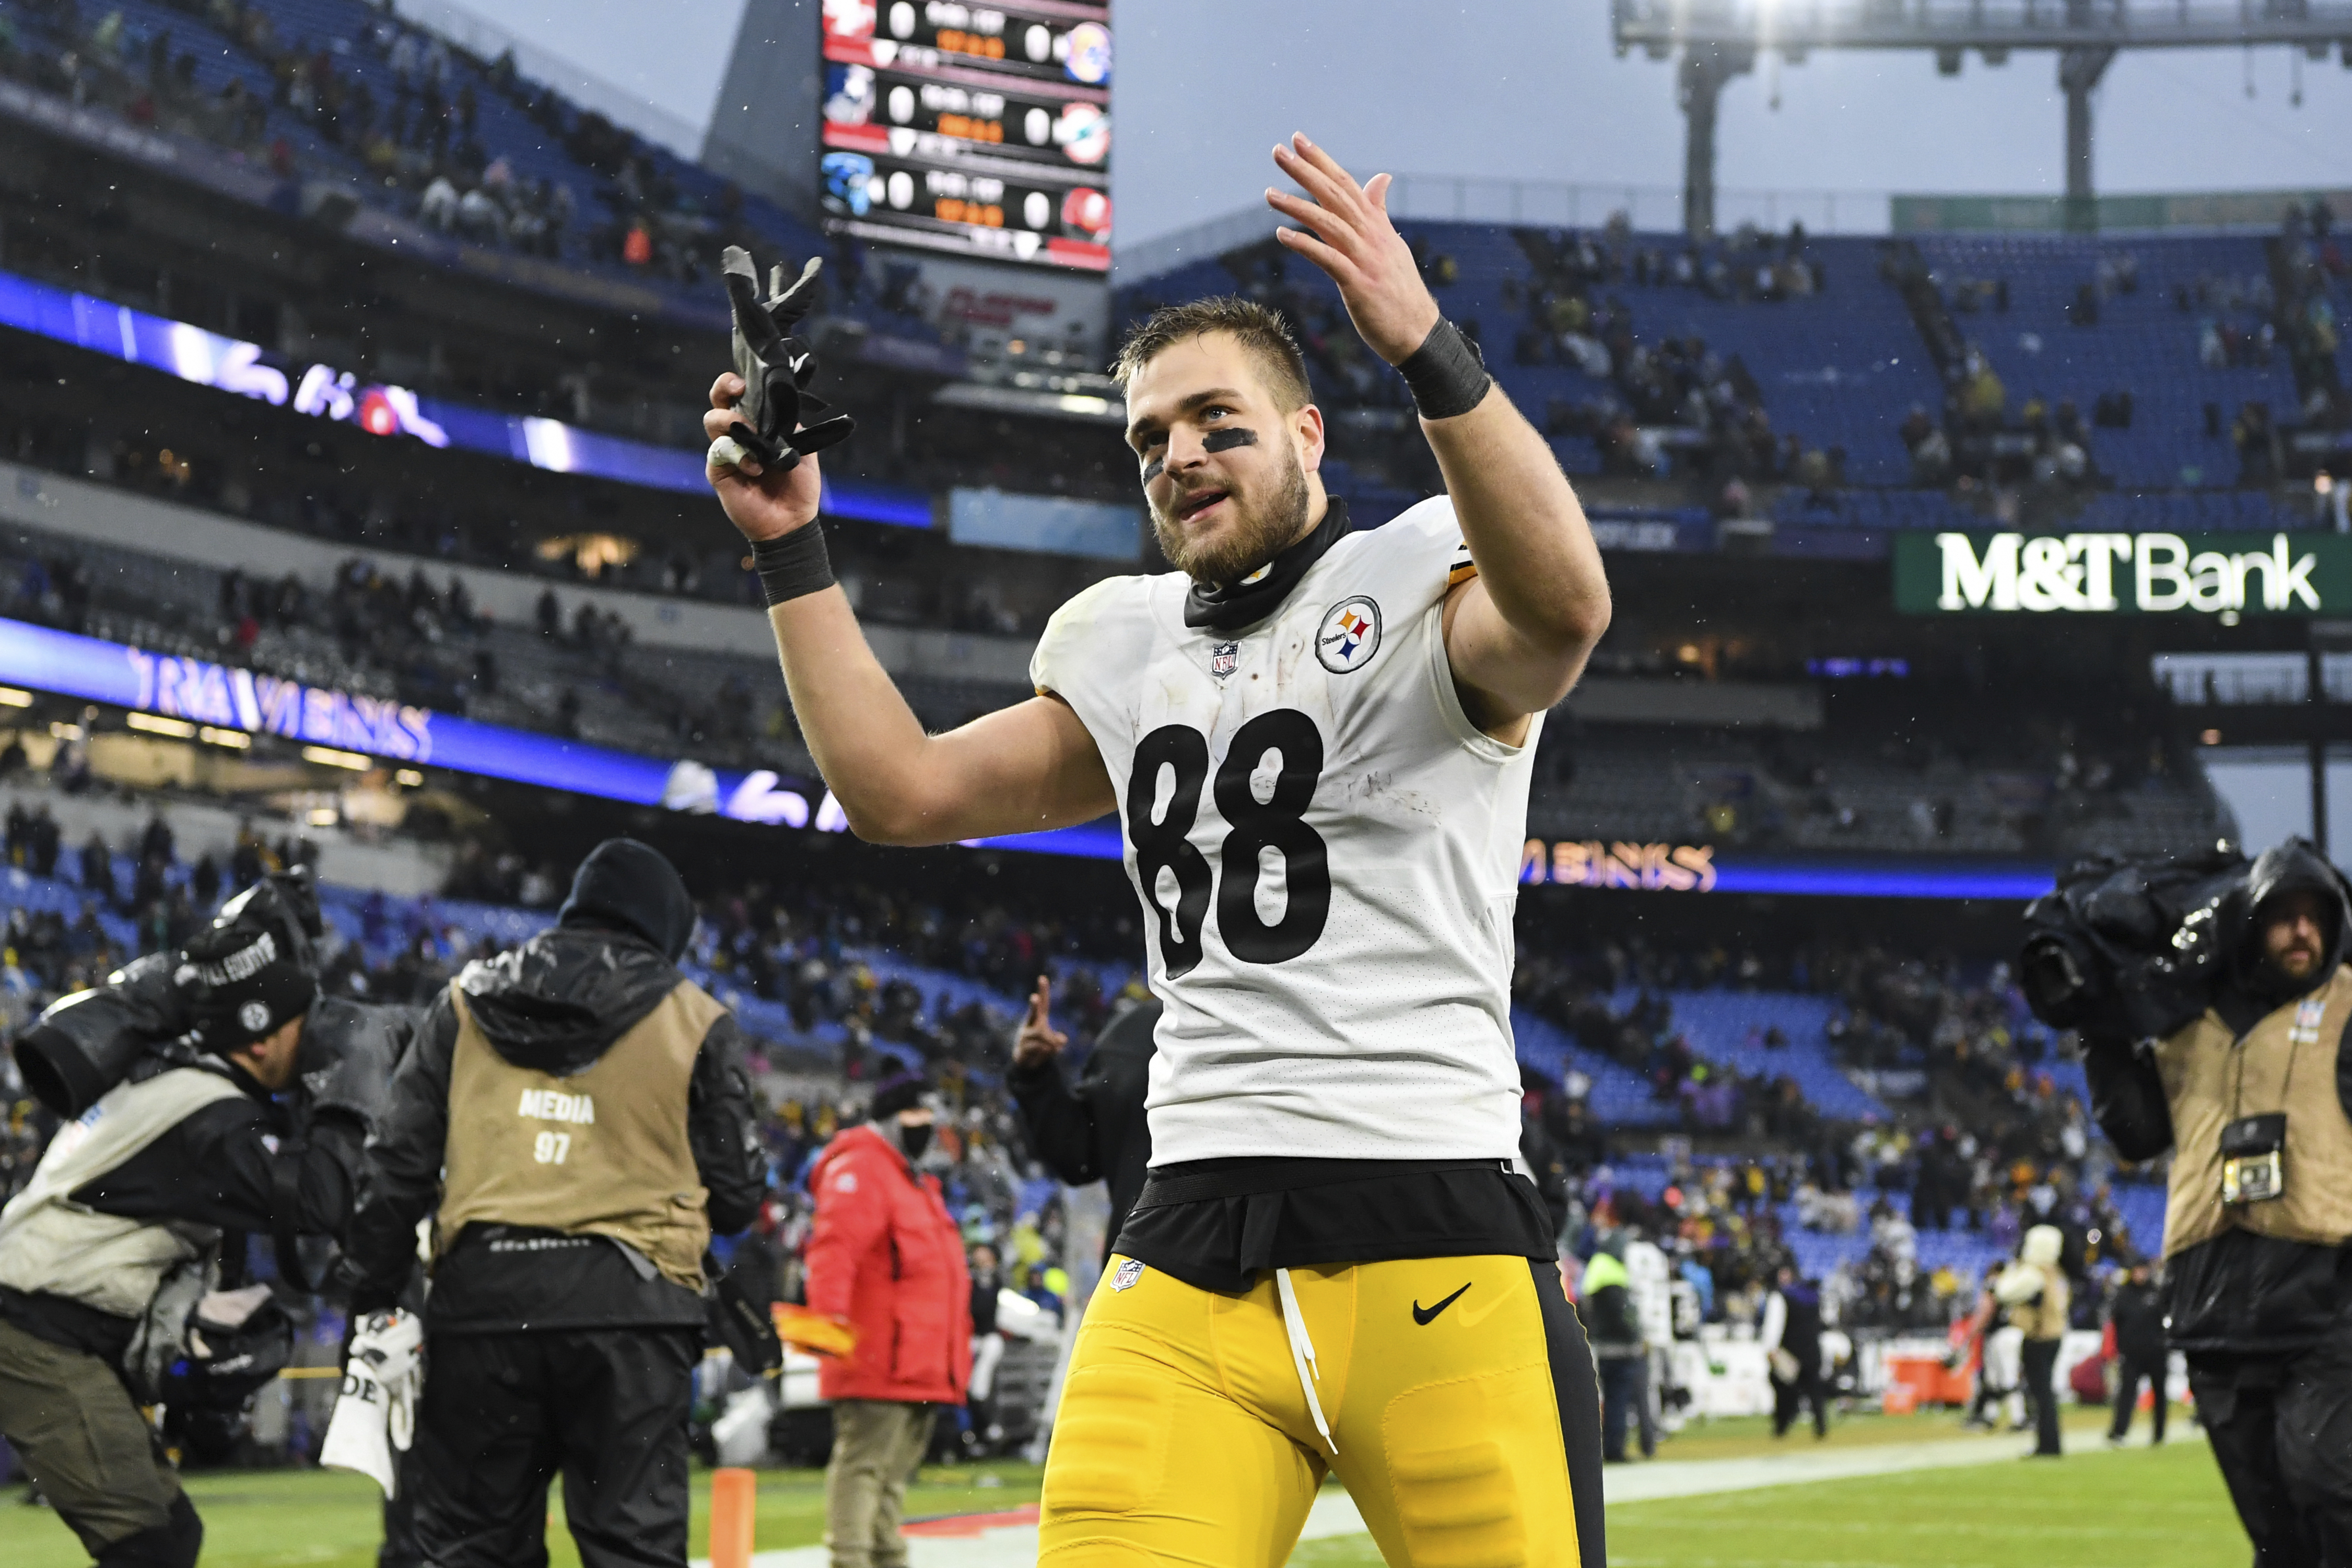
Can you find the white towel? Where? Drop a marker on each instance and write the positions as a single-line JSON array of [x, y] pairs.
[[375, 1415]]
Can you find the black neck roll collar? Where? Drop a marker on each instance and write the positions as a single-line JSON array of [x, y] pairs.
[[1253, 599]]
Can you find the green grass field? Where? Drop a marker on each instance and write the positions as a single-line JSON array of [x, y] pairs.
[[2137, 1509], [324, 1518]]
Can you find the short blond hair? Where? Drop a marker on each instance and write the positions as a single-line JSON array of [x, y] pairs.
[[1260, 330]]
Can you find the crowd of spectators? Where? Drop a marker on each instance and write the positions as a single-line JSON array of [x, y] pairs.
[[2244, 321], [395, 114], [348, 508], [395, 108], [2315, 288], [1673, 406], [1708, 1097], [1977, 438], [424, 642], [1992, 1144], [1728, 1222], [1995, 1137]]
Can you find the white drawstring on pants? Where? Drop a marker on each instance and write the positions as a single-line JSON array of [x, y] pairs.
[[1302, 1353]]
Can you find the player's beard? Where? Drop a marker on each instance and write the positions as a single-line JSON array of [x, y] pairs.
[[1257, 535]]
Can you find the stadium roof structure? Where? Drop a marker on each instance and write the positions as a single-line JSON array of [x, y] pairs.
[[1718, 40]]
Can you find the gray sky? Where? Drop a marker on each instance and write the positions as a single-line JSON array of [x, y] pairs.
[[1531, 89]]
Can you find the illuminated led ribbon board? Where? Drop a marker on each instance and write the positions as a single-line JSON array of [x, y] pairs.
[[1698, 868], [225, 698], [233, 365]]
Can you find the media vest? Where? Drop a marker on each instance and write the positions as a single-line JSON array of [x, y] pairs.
[[2044, 1317], [2286, 1063], [601, 1153], [50, 1244]]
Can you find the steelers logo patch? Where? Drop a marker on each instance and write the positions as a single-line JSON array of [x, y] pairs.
[[255, 1017], [1350, 636]]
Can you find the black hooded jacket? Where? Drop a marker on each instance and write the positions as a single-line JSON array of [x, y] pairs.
[[1095, 1131], [557, 1004], [2239, 1293]]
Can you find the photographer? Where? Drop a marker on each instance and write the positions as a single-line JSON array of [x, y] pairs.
[[2254, 1097], [112, 1255], [576, 1118]]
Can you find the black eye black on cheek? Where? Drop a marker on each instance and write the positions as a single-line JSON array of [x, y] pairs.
[[1153, 468], [1225, 440]]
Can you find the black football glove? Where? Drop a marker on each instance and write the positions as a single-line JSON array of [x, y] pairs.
[[776, 366]]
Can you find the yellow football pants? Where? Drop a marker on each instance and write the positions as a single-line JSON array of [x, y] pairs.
[[1454, 1390]]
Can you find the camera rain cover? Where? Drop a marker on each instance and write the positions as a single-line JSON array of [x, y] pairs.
[[2136, 944]]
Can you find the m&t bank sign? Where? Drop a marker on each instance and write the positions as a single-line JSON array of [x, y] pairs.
[[2123, 574]]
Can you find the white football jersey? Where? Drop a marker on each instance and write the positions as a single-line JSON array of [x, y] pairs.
[[1327, 853]]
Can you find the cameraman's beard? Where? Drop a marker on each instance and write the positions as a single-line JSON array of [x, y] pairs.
[[1255, 537], [2274, 979], [2284, 966]]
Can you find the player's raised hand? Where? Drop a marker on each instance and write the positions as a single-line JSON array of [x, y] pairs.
[[1348, 234], [762, 505], [1039, 1039]]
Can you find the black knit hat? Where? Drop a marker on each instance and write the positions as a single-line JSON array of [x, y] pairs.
[[627, 886], [240, 987], [899, 1091]]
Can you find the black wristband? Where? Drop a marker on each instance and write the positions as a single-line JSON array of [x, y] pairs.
[[1446, 374], [792, 566]]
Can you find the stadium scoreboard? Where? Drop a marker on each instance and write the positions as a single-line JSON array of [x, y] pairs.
[[975, 130]]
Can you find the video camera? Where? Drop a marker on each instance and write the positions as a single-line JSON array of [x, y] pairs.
[[156, 1007], [2134, 946]]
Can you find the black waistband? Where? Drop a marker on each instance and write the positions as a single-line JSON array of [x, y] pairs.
[[1216, 1224], [1199, 1180], [62, 1321]]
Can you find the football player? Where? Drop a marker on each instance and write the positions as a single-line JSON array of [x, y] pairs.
[[1319, 743]]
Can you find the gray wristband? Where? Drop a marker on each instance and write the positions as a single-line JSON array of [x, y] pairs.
[[1446, 374], [793, 565]]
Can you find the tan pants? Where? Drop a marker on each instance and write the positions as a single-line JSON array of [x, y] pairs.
[[877, 1444]]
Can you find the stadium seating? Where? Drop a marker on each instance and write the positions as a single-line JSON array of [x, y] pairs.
[[1838, 369], [1729, 1027], [1651, 784], [1841, 367], [2143, 343], [2180, 511], [1969, 1253], [1642, 783], [355, 37], [1620, 1097], [1717, 1023]]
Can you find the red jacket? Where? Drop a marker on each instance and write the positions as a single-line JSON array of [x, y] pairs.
[[884, 1254]]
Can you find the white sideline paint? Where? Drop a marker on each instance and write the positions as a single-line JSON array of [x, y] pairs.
[[1334, 1513]]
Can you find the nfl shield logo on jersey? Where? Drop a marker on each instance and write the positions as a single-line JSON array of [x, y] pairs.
[[1129, 1271], [1224, 658], [1350, 634]]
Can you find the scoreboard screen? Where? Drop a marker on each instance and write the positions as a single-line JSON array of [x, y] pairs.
[[977, 131]]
